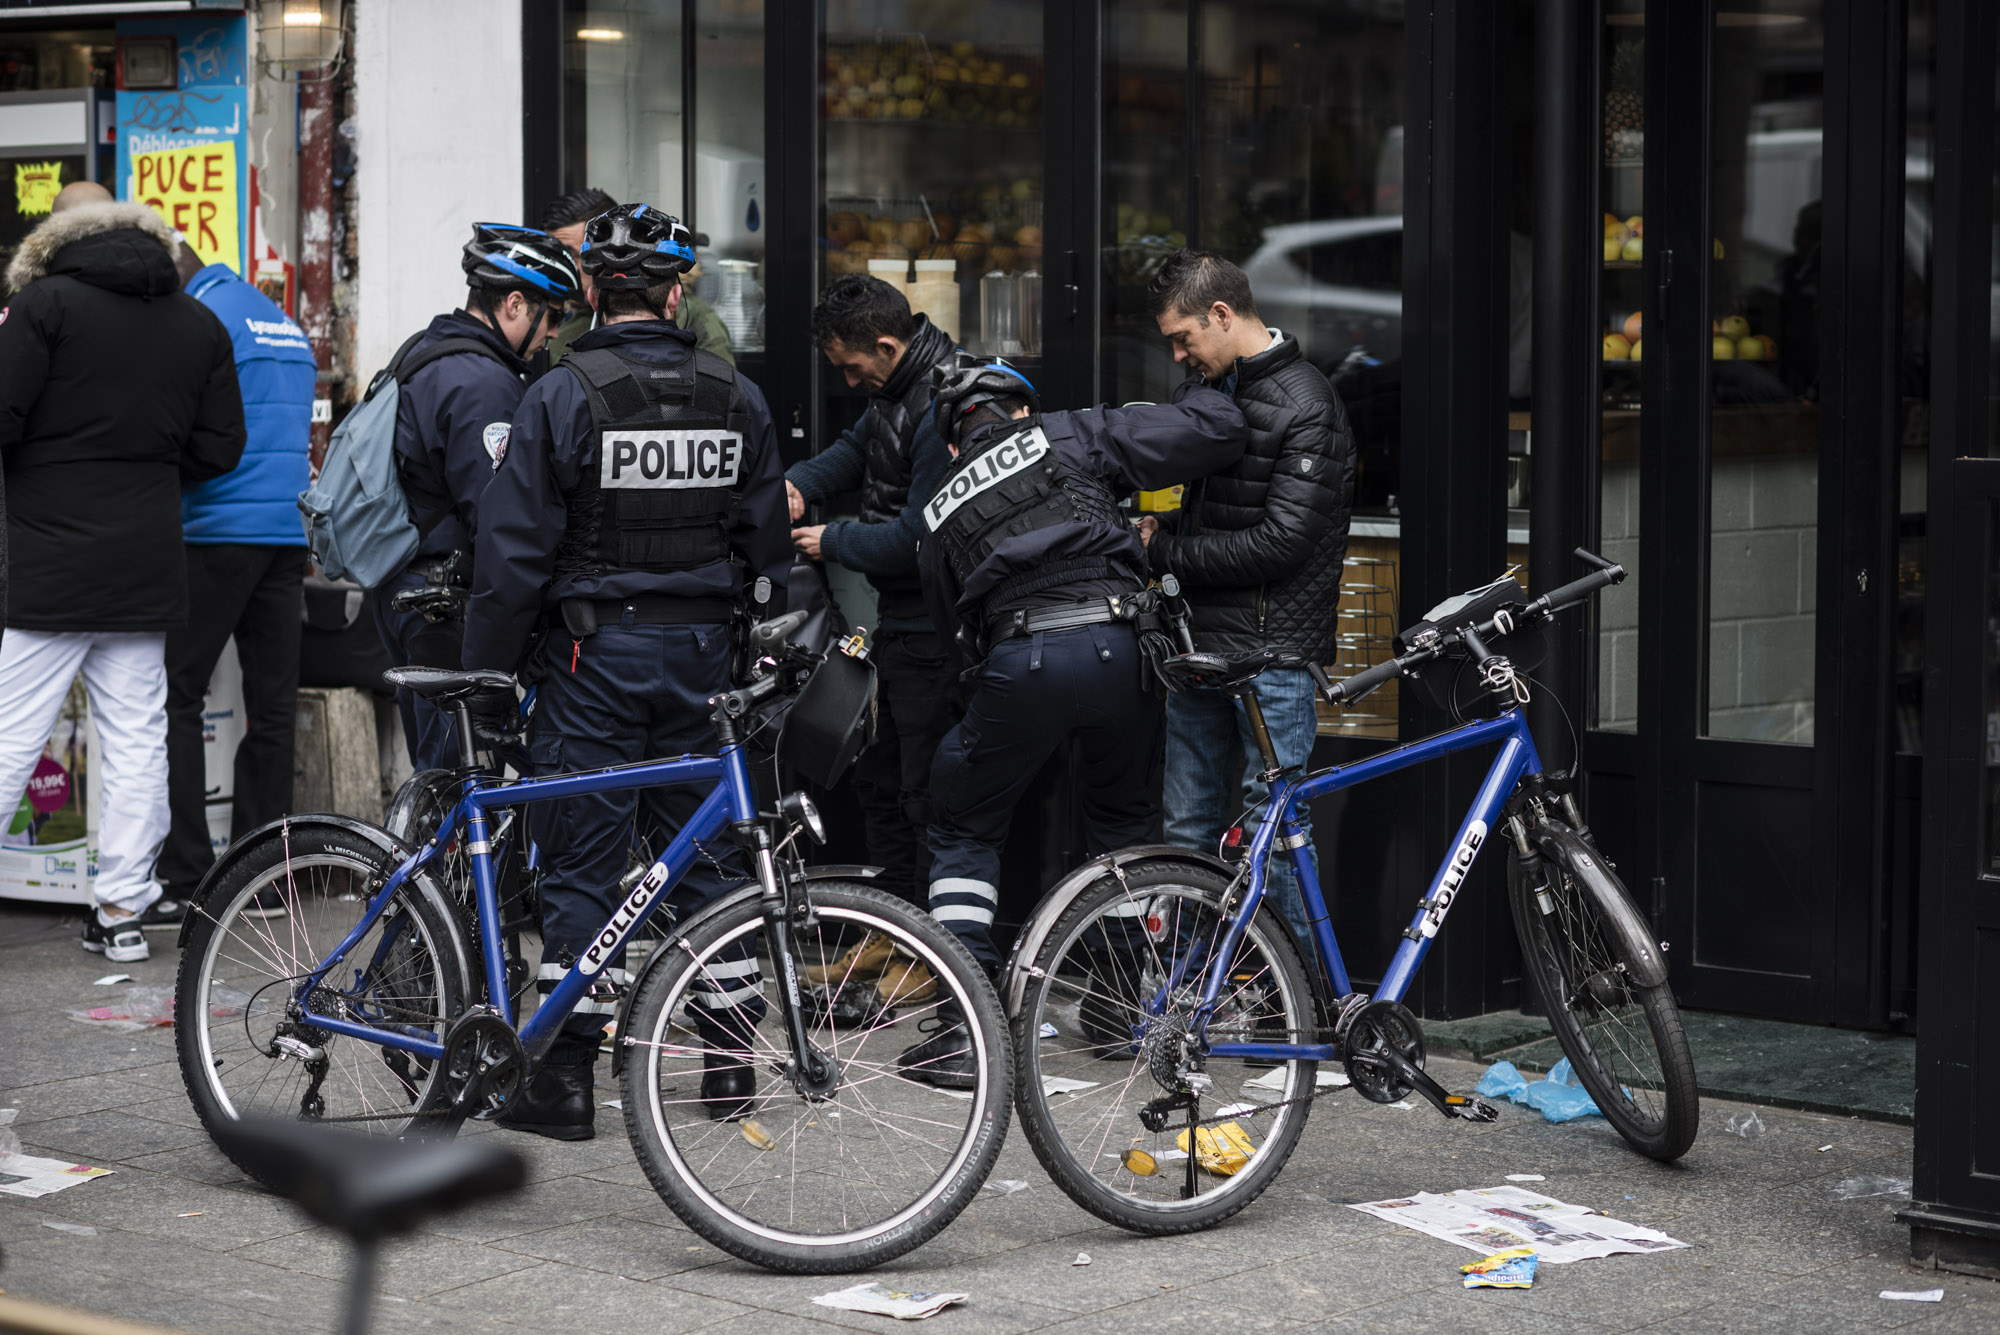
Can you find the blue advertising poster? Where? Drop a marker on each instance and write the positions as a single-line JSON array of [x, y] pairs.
[[212, 103]]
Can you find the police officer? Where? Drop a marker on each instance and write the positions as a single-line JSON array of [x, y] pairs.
[[452, 427], [1028, 554], [642, 483]]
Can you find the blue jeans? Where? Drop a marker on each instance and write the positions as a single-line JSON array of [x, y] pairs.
[[1208, 736]]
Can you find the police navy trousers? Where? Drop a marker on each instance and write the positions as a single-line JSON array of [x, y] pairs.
[[638, 692], [1032, 694]]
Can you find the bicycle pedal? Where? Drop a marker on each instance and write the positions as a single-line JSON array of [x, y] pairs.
[[1470, 1108]]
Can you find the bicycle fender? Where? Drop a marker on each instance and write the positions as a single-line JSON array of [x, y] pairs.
[[1067, 891], [375, 834], [832, 872], [403, 806], [1586, 865]]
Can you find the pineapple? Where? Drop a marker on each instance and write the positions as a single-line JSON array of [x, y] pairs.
[[1625, 100]]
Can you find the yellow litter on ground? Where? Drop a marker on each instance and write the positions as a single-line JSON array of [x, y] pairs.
[[1220, 1149]]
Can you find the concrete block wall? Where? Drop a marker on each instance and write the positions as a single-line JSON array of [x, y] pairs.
[[1763, 559]]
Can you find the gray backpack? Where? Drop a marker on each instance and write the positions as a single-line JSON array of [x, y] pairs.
[[358, 523]]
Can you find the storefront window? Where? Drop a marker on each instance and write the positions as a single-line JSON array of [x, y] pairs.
[[727, 200], [1764, 304], [1145, 186], [622, 99], [933, 161], [1621, 335]]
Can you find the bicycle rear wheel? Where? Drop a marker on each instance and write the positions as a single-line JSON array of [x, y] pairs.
[[836, 1181], [1083, 1090], [242, 1045], [1624, 1040]]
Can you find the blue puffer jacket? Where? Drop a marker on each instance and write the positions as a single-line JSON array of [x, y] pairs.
[[258, 502]]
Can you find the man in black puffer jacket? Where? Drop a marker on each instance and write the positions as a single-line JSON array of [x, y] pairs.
[[1258, 548], [116, 387], [895, 455]]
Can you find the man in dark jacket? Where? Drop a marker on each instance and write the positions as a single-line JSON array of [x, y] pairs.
[[895, 455], [1258, 548], [246, 578], [563, 218], [453, 421], [115, 388]]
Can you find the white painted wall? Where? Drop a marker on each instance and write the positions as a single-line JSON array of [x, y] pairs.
[[438, 101]]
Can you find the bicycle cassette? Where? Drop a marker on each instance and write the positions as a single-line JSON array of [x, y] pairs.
[[484, 1066], [1378, 1027]]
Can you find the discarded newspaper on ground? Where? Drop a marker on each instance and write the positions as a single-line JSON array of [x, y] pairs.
[[884, 1300], [26, 1175], [1492, 1219]]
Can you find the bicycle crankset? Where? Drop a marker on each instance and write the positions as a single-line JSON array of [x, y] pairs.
[[1385, 1055], [485, 1066]]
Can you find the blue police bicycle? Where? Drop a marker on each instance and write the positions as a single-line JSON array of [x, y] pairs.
[[1188, 1031], [373, 1003]]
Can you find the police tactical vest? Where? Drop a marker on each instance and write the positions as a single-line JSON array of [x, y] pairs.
[[667, 482], [1009, 482]]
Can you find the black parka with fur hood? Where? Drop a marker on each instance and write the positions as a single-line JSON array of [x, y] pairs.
[[115, 387]]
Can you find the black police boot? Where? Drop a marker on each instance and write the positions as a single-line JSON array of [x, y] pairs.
[[944, 1059], [560, 1103], [728, 1088]]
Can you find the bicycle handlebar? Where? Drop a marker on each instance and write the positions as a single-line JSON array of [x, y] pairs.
[[1555, 600]]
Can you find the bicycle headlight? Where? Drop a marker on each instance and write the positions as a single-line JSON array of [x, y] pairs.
[[797, 809]]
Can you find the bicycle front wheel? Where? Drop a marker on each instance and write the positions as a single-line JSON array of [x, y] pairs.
[[1624, 1040], [267, 924], [823, 1181], [1116, 981]]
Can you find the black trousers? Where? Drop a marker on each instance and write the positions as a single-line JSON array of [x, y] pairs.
[[256, 594], [917, 700]]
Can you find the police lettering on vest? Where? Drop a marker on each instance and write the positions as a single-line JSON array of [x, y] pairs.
[[670, 459], [989, 469]]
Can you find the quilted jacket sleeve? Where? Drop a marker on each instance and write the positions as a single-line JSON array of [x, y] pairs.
[[1308, 496]]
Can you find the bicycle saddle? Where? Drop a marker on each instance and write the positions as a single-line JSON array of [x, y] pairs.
[[369, 1187], [444, 684], [1221, 671]]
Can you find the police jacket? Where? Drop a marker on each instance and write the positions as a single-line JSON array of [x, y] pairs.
[[982, 557], [116, 387], [895, 455], [1259, 544], [257, 502], [452, 427], [550, 527]]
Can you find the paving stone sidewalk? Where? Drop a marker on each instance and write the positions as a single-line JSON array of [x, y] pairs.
[[590, 1247]]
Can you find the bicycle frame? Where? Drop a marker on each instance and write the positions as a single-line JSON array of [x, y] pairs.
[[1517, 758], [729, 801]]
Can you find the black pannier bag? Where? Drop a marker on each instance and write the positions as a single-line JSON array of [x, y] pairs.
[[1448, 683], [833, 717]]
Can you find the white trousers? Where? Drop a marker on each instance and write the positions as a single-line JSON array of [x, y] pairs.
[[125, 675]]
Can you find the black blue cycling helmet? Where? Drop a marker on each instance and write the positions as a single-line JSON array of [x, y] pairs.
[[634, 247], [506, 258], [968, 384]]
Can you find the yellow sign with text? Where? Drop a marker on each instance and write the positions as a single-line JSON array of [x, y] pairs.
[[35, 187], [194, 189]]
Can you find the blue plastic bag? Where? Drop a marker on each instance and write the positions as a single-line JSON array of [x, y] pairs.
[[1557, 1096]]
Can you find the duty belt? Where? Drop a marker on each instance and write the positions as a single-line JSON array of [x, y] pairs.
[[1091, 612], [581, 616]]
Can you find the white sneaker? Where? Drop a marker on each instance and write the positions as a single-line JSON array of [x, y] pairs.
[[121, 941]]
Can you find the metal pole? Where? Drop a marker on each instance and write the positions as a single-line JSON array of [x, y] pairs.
[[316, 241]]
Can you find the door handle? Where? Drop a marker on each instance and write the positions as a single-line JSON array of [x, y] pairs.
[[1075, 284], [1666, 283]]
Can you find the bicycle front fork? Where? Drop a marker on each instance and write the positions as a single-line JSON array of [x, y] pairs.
[[813, 1071]]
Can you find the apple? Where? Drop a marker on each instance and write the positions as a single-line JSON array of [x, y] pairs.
[[1613, 248], [1770, 346], [1617, 348], [1722, 349], [1635, 349], [912, 233], [1636, 225], [843, 228], [1734, 326], [1632, 328], [1615, 230], [1749, 349], [1634, 250]]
